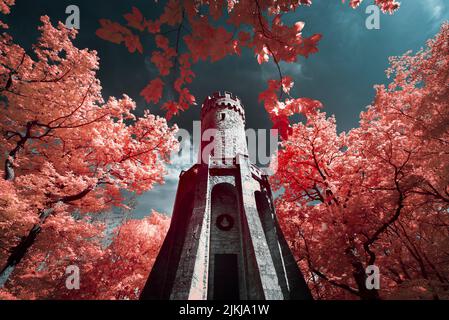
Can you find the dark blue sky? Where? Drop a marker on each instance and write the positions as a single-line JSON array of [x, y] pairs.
[[352, 59]]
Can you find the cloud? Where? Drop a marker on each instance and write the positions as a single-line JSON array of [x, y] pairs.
[[180, 161], [161, 199], [435, 8], [270, 71]]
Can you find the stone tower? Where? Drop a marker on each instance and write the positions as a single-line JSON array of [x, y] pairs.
[[224, 241]]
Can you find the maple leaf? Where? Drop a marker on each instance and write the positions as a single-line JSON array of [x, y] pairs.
[[287, 84], [263, 56], [162, 61], [133, 43], [135, 19], [162, 42], [153, 26], [186, 98], [153, 91], [172, 109], [112, 31], [172, 14], [309, 45]]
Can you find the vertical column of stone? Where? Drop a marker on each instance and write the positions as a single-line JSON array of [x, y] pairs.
[[298, 289], [267, 217], [192, 274], [264, 262]]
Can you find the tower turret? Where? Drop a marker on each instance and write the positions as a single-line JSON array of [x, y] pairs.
[[222, 127]]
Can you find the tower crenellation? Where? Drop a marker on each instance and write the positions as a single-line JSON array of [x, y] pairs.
[[223, 100]]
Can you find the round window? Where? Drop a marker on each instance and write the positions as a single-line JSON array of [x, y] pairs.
[[225, 222]]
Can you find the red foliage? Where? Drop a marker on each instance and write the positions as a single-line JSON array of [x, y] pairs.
[[269, 39], [153, 92], [378, 194], [5, 6], [66, 152], [116, 270]]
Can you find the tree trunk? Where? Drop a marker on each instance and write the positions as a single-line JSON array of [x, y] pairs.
[[20, 250], [360, 278]]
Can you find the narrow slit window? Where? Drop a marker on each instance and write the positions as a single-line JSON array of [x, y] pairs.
[[223, 116]]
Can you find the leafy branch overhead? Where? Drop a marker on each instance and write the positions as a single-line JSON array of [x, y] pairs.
[[191, 31]]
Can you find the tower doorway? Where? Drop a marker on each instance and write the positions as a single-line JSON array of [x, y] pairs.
[[226, 277]]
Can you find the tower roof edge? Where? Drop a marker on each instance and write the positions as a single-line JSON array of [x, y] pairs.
[[223, 99]]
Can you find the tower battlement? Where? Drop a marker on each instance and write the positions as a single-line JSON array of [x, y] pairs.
[[223, 100]]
